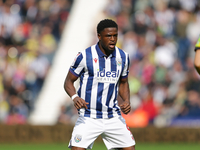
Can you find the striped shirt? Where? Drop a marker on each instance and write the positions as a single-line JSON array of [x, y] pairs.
[[99, 80]]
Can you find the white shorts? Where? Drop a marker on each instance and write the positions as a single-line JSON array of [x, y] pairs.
[[114, 132]]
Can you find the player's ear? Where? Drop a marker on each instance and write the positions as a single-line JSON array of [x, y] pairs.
[[99, 36]]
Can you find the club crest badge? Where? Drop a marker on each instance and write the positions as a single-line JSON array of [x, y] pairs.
[[119, 62], [77, 138]]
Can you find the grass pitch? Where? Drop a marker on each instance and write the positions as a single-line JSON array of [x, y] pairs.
[[101, 146]]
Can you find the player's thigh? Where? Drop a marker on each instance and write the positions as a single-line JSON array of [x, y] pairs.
[[117, 134], [85, 132]]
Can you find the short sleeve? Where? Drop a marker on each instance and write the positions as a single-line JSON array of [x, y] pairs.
[[125, 71], [77, 66]]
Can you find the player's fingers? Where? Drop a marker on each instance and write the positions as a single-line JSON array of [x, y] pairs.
[[77, 107], [124, 106], [78, 104], [126, 109], [121, 106], [85, 104], [127, 112]]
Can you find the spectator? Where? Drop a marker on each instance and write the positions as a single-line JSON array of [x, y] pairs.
[[161, 42], [30, 32]]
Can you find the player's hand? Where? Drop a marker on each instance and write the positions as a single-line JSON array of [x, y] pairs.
[[80, 103], [125, 107]]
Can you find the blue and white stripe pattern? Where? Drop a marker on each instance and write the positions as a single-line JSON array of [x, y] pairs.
[[99, 80]]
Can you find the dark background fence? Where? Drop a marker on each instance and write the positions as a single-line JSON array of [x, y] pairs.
[[62, 134]]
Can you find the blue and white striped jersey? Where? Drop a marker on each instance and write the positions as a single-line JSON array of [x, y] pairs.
[[99, 80]]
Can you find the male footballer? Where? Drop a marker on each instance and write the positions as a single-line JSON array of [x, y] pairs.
[[103, 71]]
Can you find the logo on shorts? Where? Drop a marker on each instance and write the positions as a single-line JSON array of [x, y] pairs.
[[130, 132], [77, 138]]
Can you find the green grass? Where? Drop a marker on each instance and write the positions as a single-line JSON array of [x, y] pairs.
[[101, 146], [167, 146]]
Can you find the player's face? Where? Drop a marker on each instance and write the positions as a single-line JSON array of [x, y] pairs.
[[108, 40]]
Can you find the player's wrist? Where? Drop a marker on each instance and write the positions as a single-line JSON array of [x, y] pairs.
[[74, 96], [127, 101]]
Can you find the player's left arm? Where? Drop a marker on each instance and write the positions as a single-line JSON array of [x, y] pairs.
[[124, 93]]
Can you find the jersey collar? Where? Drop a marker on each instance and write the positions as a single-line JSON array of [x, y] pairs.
[[101, 54]]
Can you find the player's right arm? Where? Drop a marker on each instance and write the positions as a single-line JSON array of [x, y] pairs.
[[70, 89], [197, 60], [197, 56]]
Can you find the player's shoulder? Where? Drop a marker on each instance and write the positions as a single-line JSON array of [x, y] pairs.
[[87, 49], [84, 52], [121, 52]]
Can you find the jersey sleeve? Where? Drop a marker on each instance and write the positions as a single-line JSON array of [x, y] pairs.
[[77, 66], [126, 67], [197, 46]]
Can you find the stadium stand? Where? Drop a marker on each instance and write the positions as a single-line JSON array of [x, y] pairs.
[[30, 32], [159, 35], [76, 36]]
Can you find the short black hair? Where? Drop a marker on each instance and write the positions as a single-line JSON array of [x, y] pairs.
[[106, 23]]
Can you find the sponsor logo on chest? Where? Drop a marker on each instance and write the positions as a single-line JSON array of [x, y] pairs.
[[107, 76]]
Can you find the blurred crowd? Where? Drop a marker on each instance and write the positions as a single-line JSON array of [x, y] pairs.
[[159, 36], [30, 31]]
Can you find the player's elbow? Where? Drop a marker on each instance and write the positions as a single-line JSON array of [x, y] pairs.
[[65, 84]]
